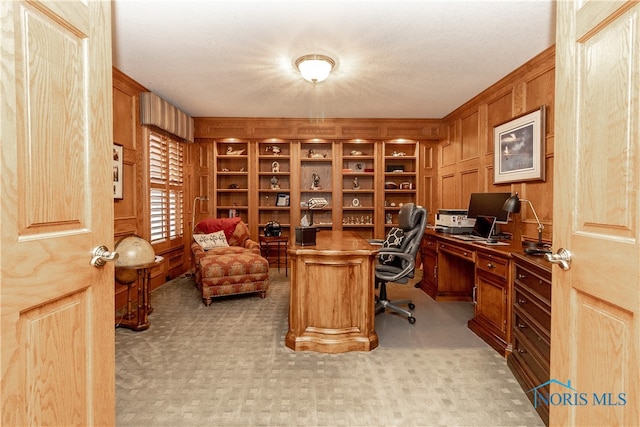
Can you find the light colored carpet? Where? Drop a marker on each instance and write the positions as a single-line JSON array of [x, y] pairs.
[[226, 365]]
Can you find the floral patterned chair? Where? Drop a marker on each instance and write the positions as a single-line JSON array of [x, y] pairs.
[[227, 261]]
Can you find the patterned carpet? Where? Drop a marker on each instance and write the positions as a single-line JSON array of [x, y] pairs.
[[226, 365]]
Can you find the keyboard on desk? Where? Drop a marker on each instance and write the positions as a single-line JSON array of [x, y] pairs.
[[468, 237]]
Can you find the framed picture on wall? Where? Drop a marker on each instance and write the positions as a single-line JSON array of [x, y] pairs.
[[117, 171], [519, 148]]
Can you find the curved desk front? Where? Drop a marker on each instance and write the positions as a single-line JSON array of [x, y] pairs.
[[331, 307]]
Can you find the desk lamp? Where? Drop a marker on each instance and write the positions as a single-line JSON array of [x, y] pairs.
[[315, 204], [513, 205], [306, 235]]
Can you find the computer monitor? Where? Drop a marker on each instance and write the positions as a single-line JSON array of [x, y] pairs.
[[489, 204]]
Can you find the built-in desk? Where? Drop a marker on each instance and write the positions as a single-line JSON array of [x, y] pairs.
[[458, 270], [331, 306]]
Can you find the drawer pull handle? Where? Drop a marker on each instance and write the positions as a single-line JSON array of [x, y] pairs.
[[464, 253], [522, 301], [490, 265], [522, 276], [522, 326], [522, 351]]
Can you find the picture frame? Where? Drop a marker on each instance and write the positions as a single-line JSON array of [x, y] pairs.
[[118, 152], [406, 186], [519, 148], [282, 200], [356, 166]]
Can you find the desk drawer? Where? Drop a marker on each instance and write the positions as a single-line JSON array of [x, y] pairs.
[[537, 280], [493, 264], [458, 251], [538, 337], [524, 350], [533, 307]]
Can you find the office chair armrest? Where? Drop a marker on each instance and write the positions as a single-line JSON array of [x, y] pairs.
[[404, 273], [390, 251]]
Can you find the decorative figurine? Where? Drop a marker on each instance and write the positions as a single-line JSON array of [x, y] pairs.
[[389, 218], [275, 167], [274, 149], [275, 184], [313, 155], [356, 184], [316, 181], [232, 152]]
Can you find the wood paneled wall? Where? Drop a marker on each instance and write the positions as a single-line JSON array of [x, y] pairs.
[[456, 158], [465, 156]]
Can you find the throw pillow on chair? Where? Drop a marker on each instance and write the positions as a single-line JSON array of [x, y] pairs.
[[393, 240]]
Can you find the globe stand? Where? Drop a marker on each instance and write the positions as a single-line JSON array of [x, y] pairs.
[[137, 320]]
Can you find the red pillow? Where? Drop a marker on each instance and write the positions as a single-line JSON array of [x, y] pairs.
[[211, 225]]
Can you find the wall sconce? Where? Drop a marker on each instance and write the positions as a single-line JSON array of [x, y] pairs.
[[193, 211], [513, 205], [315, 68]]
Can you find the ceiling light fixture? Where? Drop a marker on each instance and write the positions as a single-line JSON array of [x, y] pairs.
[[315, 68]]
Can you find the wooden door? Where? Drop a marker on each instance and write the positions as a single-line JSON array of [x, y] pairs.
[[596, 303], [56, 197]]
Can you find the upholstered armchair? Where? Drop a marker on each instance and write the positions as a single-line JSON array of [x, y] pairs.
[[227, 260]]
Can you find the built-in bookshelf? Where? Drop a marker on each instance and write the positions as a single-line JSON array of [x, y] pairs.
[[359, 187], [274, 182], [231, 177], [400, 177], [365, 182], [316, 181]]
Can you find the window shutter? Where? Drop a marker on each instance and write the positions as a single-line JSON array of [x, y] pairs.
[[165, 179]]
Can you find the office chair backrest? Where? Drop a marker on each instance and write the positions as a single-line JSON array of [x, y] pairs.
[[412, 220]]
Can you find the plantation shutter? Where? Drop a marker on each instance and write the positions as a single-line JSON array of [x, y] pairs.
[[166, 194]]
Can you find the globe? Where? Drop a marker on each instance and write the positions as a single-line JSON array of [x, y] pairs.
[[133, 251]]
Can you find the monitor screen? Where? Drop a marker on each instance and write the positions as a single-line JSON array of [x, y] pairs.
[[489, 204]]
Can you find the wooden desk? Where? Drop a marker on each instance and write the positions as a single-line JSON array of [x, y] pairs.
[[458, 270], [331, 307]]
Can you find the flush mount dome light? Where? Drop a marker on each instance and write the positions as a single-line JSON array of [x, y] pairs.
[[315, 68]]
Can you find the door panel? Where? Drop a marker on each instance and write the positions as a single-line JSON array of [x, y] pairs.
[[57, 357], [596, 303]]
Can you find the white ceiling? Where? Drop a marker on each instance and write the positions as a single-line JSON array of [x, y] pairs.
[[394, 58]]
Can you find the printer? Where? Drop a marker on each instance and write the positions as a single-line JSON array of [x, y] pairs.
[[454, 221]]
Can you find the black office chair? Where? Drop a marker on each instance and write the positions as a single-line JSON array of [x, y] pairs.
[[397, 258]]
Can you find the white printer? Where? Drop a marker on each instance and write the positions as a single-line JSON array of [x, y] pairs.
[[454, 221]]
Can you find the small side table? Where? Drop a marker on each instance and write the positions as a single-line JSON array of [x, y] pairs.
[[278, 242], [137, 320]]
